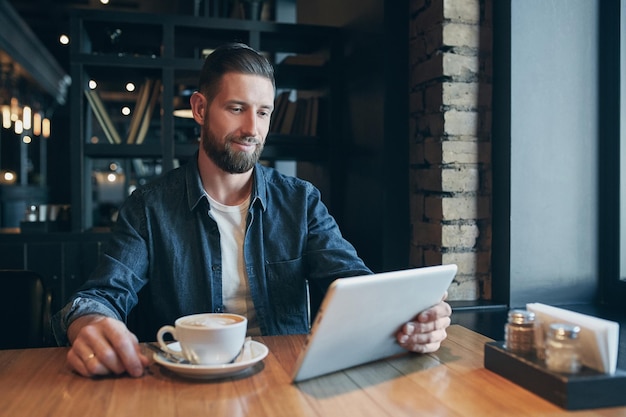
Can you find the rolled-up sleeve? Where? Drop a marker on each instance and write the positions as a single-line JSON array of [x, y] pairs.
[[73, 310]]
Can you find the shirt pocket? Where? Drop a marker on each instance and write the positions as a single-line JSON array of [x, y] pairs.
[[286, 282]]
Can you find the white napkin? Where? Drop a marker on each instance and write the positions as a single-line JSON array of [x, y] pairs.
[[599, 338]]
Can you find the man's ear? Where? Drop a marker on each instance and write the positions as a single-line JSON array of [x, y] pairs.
[[199, 105]]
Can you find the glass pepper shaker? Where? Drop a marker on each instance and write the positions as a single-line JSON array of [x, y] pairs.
[[519, 332], [562, 348]]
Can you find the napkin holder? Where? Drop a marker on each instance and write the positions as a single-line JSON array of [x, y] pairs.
[[584, 390]]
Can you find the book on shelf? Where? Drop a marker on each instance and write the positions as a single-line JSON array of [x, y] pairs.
[[290, 114], [140, 107], [103, 117], [314, 114], [147, 98], [300, 119], [279, 111], [296, 117], [306, 124], [147, 115]]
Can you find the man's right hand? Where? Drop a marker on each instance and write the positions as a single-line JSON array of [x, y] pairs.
[[103, 346]]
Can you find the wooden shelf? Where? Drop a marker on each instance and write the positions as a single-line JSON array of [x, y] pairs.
[[112, 47], [277, 147]]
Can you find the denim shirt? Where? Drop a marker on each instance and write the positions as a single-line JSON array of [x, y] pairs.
[[165, 244]]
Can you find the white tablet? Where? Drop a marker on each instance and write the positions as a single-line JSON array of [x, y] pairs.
[[359, 317]]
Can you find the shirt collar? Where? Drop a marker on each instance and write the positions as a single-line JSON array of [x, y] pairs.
[[259, 188], [196, 193]]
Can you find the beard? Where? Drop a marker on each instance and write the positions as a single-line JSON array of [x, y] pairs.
[[228, 159]]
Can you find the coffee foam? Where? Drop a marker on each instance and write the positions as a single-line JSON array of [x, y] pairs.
[[211, 322]]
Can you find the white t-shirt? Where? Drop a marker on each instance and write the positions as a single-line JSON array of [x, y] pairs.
[[231, 222]]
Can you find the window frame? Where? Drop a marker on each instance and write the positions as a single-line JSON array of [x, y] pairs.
[[612, 136]]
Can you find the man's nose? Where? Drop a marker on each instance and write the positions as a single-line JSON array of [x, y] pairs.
[[249, 125]]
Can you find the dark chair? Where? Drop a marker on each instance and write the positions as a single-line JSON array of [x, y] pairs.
[[24, 310]]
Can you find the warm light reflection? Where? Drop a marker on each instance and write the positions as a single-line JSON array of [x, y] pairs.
[[15, 109], [112, 177], [45, 127], [7, 177], [37, 123], [27, 139], [19, 127], [27, 118], [183, 113], [104, 1], [64, 39], [6, 116]]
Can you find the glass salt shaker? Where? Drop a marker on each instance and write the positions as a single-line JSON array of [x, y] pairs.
[[562, 348], [519, 332]]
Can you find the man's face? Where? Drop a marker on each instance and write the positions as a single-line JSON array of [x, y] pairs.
[[237, 122]]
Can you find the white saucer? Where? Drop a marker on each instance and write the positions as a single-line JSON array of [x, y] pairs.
[[258, 352]]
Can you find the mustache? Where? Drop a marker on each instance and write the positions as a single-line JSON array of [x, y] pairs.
[[246, 140]]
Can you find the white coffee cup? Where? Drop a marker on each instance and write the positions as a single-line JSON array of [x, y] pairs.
[[208, 338]]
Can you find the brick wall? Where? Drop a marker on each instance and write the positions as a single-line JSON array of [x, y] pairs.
[[450, 135]]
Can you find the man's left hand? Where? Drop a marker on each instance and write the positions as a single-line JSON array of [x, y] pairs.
[[427, 330]]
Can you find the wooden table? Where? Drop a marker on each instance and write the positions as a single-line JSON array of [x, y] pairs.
[[450, 382]]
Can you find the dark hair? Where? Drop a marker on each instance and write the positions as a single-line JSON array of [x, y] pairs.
[[232, 57]]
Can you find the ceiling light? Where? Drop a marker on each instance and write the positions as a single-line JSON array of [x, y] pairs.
[[7, 177]]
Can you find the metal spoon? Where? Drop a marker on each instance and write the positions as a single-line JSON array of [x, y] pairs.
[[245, 348], [167, 355]]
